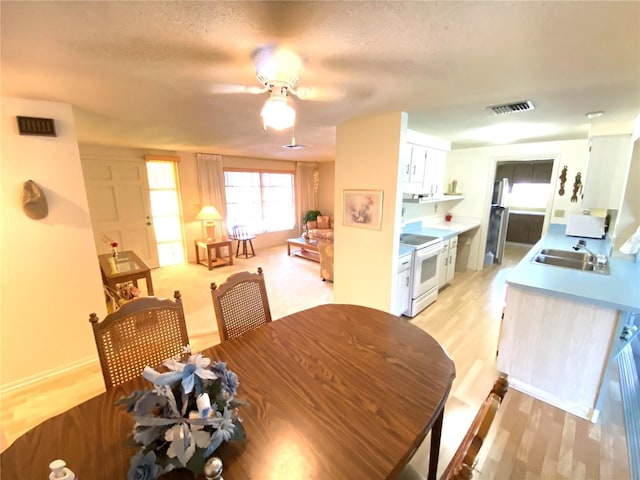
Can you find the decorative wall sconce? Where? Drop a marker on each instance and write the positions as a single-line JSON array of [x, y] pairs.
[[563, 180], [34, 202]]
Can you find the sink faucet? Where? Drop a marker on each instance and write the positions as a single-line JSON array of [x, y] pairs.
[[582, 245]]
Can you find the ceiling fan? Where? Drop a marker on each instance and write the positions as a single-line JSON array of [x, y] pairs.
[[278, 70]]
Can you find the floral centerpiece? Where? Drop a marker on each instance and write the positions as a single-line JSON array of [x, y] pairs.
[[190, 412]]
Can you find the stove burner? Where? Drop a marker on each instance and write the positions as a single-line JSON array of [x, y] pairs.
[[416, 240]]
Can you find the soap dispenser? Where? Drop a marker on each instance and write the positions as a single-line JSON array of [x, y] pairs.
[[59, 471]]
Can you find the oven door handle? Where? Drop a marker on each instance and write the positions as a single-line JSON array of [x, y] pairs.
[[429, 251]]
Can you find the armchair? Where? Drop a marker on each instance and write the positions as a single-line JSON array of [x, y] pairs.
[[325, 249]]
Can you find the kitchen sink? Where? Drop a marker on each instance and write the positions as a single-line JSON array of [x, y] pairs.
[[567, 254], [564, 262], [569, 259]]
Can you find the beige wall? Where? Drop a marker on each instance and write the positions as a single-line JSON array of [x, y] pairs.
[[474, 169], [190, 198], [326, 188], [189, 188], [368, 157], [50, 274]]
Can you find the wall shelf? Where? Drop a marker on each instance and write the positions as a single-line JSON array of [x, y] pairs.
[[424, 200]]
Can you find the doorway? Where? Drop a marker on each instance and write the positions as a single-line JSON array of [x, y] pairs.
[[165, 211], [522, 189]]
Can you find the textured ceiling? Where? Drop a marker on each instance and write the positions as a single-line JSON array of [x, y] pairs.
[[149, 74]]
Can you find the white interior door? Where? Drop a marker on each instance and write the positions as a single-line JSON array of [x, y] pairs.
[[119, 205]]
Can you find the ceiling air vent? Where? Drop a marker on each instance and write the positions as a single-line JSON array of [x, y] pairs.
[[36, 126], [511, 107]]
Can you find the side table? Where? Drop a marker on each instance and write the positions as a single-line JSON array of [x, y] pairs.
[[126, 267], [214, 257]]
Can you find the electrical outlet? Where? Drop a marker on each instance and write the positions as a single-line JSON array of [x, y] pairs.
[[558, 213]]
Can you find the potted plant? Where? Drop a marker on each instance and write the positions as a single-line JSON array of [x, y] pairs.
[[311, 216]]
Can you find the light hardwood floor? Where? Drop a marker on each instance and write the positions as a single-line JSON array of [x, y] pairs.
[[529, 439]]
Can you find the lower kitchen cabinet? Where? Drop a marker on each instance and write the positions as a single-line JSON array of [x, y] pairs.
[[524, 228], [556, 349], [447, 261], [451, 265], [403, 285]]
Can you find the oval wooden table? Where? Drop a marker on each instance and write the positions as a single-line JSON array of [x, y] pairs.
[[336, 391]]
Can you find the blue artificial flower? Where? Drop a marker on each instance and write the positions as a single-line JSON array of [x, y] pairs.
[[144, 467], [229, 379], [197, 365]]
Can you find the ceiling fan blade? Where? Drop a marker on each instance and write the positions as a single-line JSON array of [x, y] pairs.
[[320, 94], [232, 88]]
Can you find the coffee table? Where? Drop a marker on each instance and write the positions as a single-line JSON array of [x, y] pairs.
[[126, 267], [306, 248]]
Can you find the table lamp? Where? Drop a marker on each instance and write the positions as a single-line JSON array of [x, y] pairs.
[[209, 215]]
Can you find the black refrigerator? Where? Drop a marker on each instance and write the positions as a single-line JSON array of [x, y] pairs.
[[497, 235]]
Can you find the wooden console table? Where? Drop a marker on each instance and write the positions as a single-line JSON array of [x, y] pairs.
[[214, 258], [306, 248], [126, 267]]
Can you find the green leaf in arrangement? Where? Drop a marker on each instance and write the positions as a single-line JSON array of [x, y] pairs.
[[238, 431]]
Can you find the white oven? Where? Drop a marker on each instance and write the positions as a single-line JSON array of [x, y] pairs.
[[424, 271]]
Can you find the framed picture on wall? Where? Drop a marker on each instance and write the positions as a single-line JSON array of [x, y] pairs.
[[362, 208]]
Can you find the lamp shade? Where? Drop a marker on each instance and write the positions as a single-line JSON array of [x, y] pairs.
[[277, 114], [208, 214]]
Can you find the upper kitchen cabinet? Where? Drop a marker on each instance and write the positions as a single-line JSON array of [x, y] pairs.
[[423, 164], [434, 172], [537, 171], [415, 160], [607, 168]]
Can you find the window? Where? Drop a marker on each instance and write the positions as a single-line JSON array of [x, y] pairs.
[[165, 209], [262, 201], [529, 195]]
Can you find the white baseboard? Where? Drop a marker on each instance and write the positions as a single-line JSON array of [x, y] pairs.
[[582, 411], [47, 374]]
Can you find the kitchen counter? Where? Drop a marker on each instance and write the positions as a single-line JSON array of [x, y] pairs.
[[556, 319], [405, 250], [619, 290], [442, 229]]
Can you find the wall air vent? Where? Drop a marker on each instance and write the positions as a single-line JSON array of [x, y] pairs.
[[512, 107], [37, 126]]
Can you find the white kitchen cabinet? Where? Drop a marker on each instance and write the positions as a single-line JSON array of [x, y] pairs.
[[451, 263], [414, 167], [443, 260], [433, 183], [447, 261], [403, 284], [607, 169]]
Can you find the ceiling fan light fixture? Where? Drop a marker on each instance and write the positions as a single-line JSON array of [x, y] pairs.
[[277, 113], [278, 65]]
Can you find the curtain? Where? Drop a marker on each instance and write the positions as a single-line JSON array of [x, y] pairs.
[[307, 179], [211, 185]]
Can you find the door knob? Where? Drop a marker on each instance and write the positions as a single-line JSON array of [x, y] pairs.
[[148, 223]]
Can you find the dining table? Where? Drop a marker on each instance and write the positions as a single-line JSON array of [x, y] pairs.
[[334, 391]]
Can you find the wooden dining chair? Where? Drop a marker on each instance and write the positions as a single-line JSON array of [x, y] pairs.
[[463, 461], [143, 332], [241, 304], [239, 233]]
